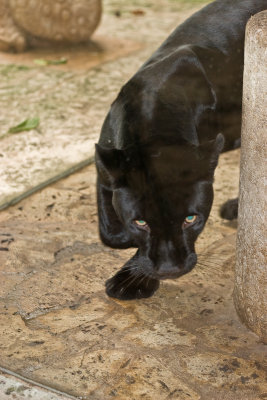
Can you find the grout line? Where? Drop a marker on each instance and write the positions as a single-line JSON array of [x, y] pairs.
[[40, 385], [54, 179]]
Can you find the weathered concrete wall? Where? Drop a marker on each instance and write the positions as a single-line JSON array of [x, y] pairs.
[[250, 292]]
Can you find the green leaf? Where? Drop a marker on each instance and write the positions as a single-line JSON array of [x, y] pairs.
[[43, 62], [57, 62], [26, 125]]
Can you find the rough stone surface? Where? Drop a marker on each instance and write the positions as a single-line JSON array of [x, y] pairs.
[[58, 327], [52, 20], [251, 268]]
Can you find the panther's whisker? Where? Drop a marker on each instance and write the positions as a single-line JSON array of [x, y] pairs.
[[215, 260], [131, 282], [207, 271], [215, 267], [208, 255], [211, 262], [207, 262], [217, 255], [127, 279], [131, 268], [142, 279]]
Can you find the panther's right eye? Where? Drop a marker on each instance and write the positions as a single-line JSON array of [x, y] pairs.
[[189, 220], [140, 223]]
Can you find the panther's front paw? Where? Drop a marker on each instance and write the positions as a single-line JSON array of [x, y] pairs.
[[125, 285], [229, 210]]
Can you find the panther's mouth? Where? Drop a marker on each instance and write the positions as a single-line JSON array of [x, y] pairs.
[[173, 272], [138, 278], [170, 275]]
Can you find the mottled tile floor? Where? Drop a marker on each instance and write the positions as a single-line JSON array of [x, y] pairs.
[[58, 327]]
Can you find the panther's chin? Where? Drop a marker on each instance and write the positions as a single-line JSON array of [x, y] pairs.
[[174, 272], [171, 275]]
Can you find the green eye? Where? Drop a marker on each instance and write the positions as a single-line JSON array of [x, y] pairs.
[[190, 219], [140, 222]]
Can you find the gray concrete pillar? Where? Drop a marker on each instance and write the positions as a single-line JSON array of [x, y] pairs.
[[250, 293]]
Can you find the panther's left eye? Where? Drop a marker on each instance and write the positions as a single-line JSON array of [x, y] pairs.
[[141, 224], [189, 220]]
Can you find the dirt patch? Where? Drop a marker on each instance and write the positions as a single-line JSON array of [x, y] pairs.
[[77, 58]]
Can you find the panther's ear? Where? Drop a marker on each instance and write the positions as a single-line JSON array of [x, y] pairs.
[[186, 96], [210, 151], [188, 77], [214, 148], [218, 146], [109, 164]]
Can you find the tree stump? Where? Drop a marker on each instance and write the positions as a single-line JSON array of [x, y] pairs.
[[250, 293]]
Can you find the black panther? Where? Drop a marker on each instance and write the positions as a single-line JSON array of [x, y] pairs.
[[160, 144]]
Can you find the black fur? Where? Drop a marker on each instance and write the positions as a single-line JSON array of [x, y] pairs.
[[160, 144], [229, 210]]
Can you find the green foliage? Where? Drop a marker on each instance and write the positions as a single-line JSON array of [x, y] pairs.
[[43, 62], [6, 69], [26, 125]]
